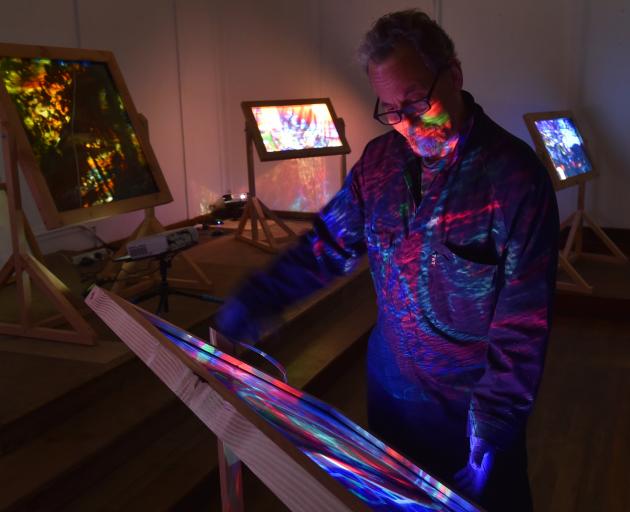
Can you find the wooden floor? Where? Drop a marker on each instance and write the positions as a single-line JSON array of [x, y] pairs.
[[579, 433]]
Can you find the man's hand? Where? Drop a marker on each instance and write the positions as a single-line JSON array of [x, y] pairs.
[[473, 477], [235, 322]]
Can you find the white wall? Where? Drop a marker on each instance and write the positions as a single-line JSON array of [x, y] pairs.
[[189, 64], [604, 107], [32, 22], [516, 59]]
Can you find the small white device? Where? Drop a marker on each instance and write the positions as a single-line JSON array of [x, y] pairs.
[[167, 241]]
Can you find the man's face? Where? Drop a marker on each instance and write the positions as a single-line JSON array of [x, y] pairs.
[[403, 78]]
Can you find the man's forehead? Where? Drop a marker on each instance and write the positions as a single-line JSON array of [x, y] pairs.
[[403, 69]]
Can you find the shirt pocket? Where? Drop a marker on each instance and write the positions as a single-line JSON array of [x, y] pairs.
[[461, 293]]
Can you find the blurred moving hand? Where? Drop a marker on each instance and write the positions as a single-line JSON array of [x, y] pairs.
[[472, 479], [235, 322]]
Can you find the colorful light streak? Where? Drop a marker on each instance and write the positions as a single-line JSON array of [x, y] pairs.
[[79, 130], [375, 473], [431, 134]]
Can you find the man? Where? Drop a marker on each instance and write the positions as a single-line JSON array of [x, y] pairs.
[[460, 224]]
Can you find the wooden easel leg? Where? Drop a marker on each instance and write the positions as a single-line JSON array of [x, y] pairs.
[[59, 294], [26, 264], [599, 232], [24, 294], [271, 215], [575, 227], [263, 222], [257, 212], [231, 476], [230, 467], [244, 218], [567, 222], [201, 278], [578, 284], [7, 271]]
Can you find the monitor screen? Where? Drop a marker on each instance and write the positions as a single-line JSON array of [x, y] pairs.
[[565, 147], [81, 145], [294, 128], [291, 127], [79, 131]]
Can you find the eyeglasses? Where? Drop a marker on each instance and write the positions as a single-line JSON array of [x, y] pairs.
[[413, 109]]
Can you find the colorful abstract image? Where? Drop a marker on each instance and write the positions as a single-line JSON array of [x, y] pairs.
[[565, 146], [296, 127], [79, 129]]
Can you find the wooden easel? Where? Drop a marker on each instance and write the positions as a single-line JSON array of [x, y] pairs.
[[573, 249], [257, 213], [26, 265], [121, 272]]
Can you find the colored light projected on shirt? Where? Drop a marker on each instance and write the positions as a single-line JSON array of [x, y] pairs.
[[565, 146], [79, 130], [376, 474], [295, 127]]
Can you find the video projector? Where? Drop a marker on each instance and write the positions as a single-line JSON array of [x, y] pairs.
[[166, 242]]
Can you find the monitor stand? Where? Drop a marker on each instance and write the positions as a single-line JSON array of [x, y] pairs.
[[256, 212], [25, 266], [572, 250]]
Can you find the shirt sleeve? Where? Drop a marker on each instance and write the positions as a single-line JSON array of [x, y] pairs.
[[503, 398], [332, 248]]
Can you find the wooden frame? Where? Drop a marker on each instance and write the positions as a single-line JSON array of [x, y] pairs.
[[275, 458], [543, 153], [266, 155], [256, 212], [52, 217], [572, 250], [25, 264]]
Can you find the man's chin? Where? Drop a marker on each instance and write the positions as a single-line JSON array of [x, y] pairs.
[[429, 151]]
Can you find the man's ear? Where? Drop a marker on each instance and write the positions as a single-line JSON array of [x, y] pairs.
[[457, 76]]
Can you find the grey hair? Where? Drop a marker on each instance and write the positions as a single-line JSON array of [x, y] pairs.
[[413, 27]]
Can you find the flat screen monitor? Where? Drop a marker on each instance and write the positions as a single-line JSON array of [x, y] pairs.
[[83, 148], [284, 129], [561, 147], [371, 471]]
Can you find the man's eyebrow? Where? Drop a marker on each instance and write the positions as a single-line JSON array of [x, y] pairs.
[[409, 90]]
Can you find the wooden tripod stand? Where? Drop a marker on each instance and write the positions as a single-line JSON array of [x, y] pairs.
[[25, 264], [257, 213], [150, 225], [573, 248]]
